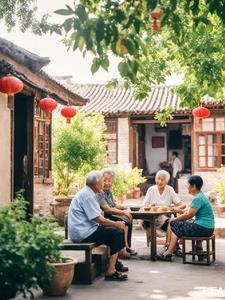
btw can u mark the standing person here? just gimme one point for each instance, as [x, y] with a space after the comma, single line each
[86, 224]
[203, 224]
[115, 212]
[176, 169]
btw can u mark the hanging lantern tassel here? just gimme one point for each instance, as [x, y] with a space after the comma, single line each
[68, 112]
[201, 112]
[155, 25]
[10, 85]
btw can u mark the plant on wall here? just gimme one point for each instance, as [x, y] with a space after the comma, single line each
[77, 149]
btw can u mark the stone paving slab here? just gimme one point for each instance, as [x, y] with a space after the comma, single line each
[157, 280]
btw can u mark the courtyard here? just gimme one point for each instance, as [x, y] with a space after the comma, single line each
[157, 280]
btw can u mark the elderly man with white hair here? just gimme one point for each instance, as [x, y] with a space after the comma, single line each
[86, 224]
[162, 194]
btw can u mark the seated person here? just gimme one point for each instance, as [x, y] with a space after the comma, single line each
[203, 224]
[162, 194]
[86, 224]
[114, 211]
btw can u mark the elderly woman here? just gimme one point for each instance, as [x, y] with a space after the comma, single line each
[203, 224]
[114, 211]
[162, 194]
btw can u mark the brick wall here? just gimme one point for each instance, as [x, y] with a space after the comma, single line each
[43, 196]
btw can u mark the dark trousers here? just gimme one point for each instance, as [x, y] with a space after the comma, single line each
[110, 236]
[174, 183]
[128, 224]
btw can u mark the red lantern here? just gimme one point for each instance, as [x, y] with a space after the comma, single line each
[10, 85]
[201, 112]
[48, 104]
[157, 14]
[155, 25]
[68, 112]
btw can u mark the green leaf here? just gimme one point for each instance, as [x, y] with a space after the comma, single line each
[123, 69]
[100, 30]
[119, 16]
[68, 24]
[151, 4]
[137, 25]
[105, 63]
[81, 13]
[63, 12]
[129, 45]
[95, 65]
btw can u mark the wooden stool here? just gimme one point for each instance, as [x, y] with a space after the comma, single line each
[204, 256]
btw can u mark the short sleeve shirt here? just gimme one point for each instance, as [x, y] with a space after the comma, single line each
[106, 197]
[204, 215]
[83, 209]
[168, 197]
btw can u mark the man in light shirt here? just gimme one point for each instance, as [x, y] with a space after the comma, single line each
[86, 224]
[177, 168]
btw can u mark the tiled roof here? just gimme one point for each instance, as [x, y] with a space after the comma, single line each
[121, 101]
[35, 63]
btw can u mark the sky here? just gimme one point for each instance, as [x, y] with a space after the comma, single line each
[62, 62]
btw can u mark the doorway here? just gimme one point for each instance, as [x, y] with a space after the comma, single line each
[23, 148]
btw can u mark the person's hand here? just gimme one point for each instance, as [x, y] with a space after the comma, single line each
[121, 225]
[177, 210]
[128, 215]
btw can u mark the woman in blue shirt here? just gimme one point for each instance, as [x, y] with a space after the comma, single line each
[201, 209]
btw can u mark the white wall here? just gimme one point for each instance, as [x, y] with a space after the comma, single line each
[123, 144]
[5, 151]
[154, 155]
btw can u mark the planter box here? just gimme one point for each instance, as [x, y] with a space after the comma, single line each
[60, 207]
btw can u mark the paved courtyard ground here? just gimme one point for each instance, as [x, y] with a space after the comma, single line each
[157, 280]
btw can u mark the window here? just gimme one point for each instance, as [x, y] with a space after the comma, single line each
[211, 142]
[111, 137]
[42, 144]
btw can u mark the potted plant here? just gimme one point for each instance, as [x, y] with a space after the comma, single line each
[134, 178]
[120, 186]
[27, 251]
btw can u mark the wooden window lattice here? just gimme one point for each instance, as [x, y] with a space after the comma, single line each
[42, 144]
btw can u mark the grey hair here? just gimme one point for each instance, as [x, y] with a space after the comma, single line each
[93, 177]
[163, 173]
[108, 171]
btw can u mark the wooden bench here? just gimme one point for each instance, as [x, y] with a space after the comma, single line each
[95, 259]
[204, 256]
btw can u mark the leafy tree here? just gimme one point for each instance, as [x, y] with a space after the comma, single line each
[77, 149]
[18, 12]
[190, 42]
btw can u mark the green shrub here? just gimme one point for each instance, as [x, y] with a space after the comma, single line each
[26, 248]
[126, 181]
[77, 149]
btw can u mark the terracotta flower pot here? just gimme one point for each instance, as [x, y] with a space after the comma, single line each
[61, 279]
[60, 207]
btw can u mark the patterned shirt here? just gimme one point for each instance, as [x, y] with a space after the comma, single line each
[106, 197]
